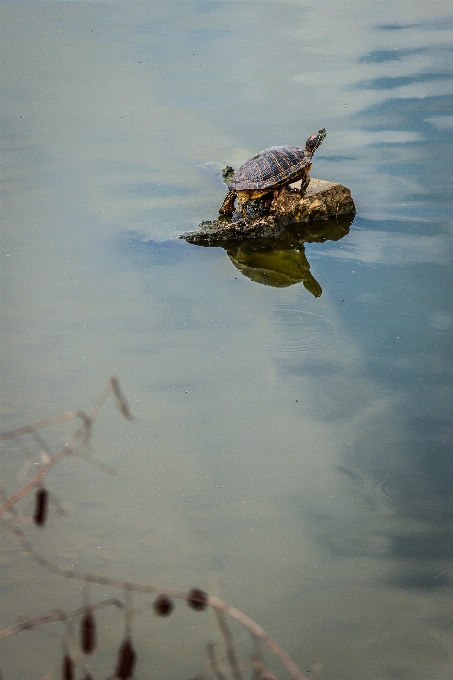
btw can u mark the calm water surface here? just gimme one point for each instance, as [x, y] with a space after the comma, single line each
[291, 453]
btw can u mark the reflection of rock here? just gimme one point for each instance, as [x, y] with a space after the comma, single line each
[320, 201]
[281, 261]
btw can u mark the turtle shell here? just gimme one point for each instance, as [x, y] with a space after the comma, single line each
[272, 168]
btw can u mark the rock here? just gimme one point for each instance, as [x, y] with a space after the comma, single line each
[321, 201]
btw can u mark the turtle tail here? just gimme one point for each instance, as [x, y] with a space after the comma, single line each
[315, 140]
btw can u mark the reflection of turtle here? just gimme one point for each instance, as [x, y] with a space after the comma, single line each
[271, 169]
[277, 268]
[281, 261]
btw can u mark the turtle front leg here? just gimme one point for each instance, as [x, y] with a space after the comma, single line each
[252, 203]
[241, 212]
[305, 180]
[243, 199]
[227, 207]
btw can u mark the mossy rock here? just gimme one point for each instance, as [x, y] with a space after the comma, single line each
[321, 200]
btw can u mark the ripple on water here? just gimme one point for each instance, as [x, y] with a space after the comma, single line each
[440, 578]
[410, 489]
[306, 332]
[415, 489]
[200, 504]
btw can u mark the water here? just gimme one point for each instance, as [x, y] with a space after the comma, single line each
[290, 453]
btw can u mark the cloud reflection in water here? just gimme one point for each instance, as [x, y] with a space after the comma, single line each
[383, 247]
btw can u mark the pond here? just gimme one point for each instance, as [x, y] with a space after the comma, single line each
[291, 451]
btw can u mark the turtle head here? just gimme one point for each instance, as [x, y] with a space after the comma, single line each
[315, 140]
[227, 174]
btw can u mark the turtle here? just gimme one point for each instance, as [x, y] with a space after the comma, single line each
[268, 171]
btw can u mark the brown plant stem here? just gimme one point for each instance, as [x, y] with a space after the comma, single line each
[210, 648]
[261, 669]
[26, 624]
[80, 434]
[229, 644]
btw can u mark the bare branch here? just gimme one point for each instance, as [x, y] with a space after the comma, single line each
[79, 435]
[122, 404]
[210, 648]
[53, 420]
[43, 470]
[261, 669]
[229, 644]
[26, 624]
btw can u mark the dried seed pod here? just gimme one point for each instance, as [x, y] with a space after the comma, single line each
[88, 633]
[197, 599]
[41, 503]
[121, 399]
[126, 661]
[67, 670]
[163, 606]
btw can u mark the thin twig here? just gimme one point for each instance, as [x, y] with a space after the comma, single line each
[256, 655]
[261, 669]
[44, 446]
[210, 648]
[229, 644]
[260, 633]
[121, 400]
[43, 470]
[26, 624]
[53, 420]
[79, 435]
